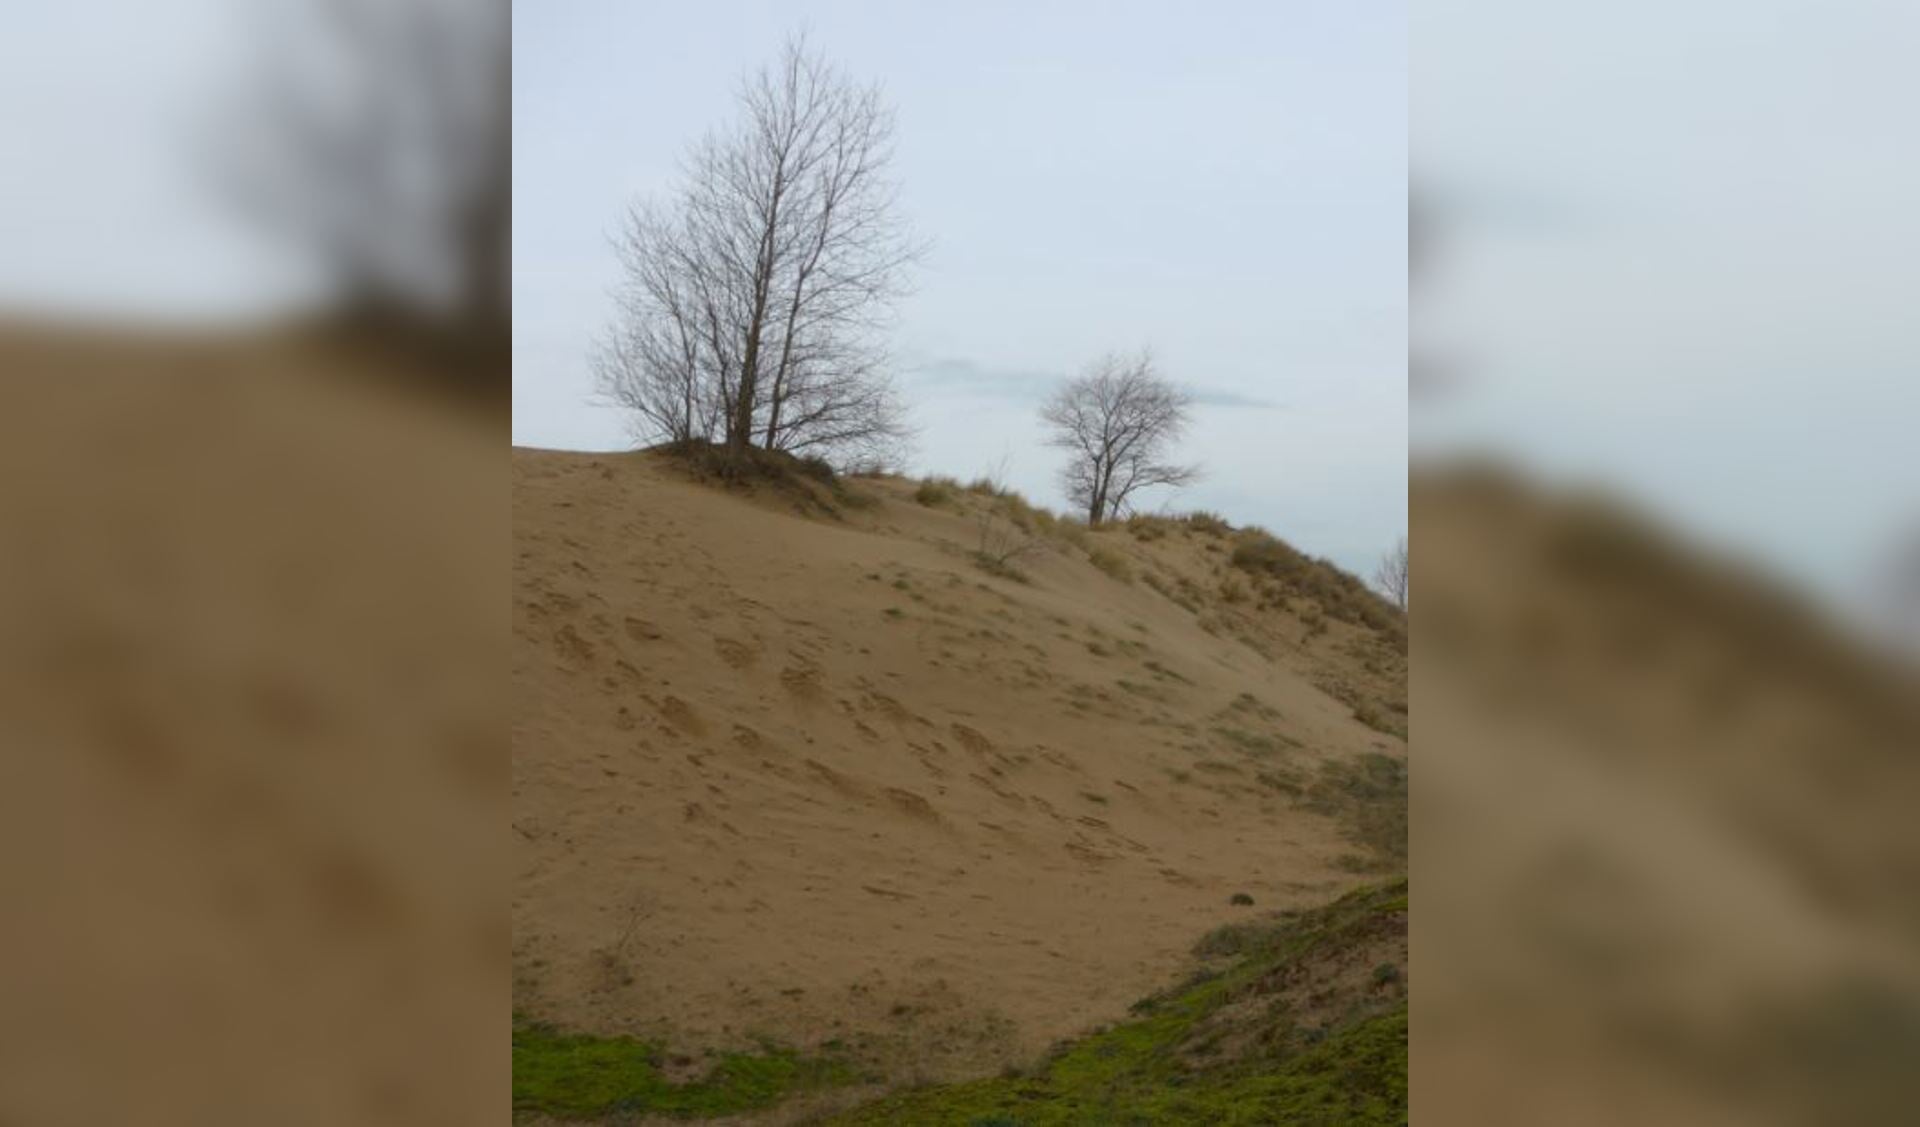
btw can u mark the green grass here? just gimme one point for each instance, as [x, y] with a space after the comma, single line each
[1165, 1066]
[583, 1077]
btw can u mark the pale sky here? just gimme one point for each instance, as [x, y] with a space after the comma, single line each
[1679, 256]
[1225, 182]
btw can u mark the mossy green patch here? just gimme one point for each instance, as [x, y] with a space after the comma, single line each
[1144, 1071]
[583, 1077]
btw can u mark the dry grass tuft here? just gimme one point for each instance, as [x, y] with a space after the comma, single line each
[1112, 562]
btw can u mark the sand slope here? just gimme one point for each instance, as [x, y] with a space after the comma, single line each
[822, 778]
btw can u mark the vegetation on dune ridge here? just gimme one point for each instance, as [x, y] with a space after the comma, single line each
[1275, 570]
[1340, 594]
[809, 484]
[1277, 1037]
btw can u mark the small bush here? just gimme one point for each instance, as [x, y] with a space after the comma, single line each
[935, 491]
[1111, 562]
[817, 468]
[1210, 524]
[1073, 531]
[716, 462]
[1339, 595]
[1315, 621]
[1016, 509]
[1003, 541]
[1241, 900]
[1147, 529]
[1369, 793]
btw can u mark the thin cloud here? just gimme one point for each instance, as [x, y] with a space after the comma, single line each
[1206, 398]
[1028, 386]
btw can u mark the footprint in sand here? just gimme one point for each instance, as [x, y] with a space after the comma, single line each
[833, 778]
[737, 655]
[803, 681]
[1087, 854]
[912, 804]
[681, 715]
[572, 646]
[972, 740]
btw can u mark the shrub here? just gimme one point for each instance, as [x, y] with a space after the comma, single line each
[1369, 793]
[817, 468]
[811, 482]
[934, 491]
[1016, 509]
[1001, 544]
[1210, 524]
[1146, 528]
[1340, 595]
[1111, 562]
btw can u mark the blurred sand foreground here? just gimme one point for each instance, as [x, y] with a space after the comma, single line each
[254, 781]
[1664, 848]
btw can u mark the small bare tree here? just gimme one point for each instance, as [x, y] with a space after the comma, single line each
[1391, 576]
[755, 297]
[1003, 544]
[1116, 422]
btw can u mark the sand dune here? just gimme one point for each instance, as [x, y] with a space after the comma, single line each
[821, 778]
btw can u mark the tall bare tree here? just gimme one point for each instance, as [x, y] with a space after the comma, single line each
[377, 138]
[1392, 576]
[755, 298]
[1116, 423]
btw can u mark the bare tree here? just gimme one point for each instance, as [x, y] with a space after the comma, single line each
[755, 297]
[1116, 422]
[378, 139]
[1391, 576]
